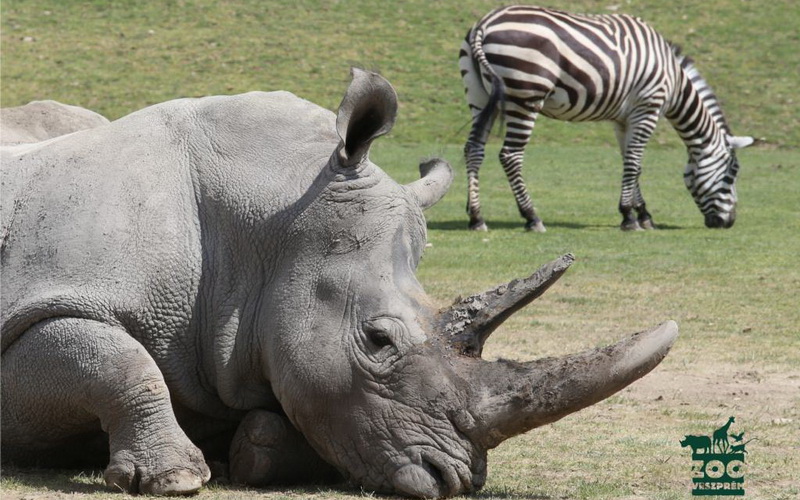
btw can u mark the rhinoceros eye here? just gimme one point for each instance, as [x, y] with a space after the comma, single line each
[379, 332]
[379, 338]
[381, 341]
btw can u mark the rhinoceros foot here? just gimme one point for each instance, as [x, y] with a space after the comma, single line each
[182, 474]
[267, 449]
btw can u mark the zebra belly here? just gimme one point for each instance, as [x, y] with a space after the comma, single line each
[560, 106]
[557, 105]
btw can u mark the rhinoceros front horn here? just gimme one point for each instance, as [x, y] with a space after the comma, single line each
[512, 398]
[508, 398]
[367, 111]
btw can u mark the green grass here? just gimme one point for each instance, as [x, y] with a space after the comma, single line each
[116, 57]
[733, 292]
[738, 284]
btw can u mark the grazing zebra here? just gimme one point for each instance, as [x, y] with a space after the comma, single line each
[524, 61]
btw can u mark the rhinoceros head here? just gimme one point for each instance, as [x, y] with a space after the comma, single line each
[386, 386]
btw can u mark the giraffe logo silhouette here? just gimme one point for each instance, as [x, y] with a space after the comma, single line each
[718, 461]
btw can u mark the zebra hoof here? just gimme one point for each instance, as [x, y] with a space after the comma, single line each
[478, 226]
[631, 225]
[646, 224]
[535, 226]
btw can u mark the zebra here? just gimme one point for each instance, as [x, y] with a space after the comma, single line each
[522, 61]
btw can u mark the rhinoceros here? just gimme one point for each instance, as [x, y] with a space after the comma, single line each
[231, 278]
[41, 120]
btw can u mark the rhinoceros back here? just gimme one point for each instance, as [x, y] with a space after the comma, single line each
[109, 223]
[41, 120]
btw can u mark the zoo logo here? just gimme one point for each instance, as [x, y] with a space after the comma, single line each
[718, 462]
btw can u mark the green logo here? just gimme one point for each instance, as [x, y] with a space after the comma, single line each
[718, 461]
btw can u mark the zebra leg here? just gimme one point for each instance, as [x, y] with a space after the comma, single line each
[629, 220]
[511, 160]
[477, 94]
[632, 138]
[474, 151]
[519, 127]
[473, 154]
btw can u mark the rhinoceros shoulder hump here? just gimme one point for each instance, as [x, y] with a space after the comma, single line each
[269, 116]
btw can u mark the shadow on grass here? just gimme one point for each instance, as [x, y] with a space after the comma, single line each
[90, 482]
[461, 225]
[345, 490]
[335, 490]
[87, 481]
[74, 481]
[510, 495]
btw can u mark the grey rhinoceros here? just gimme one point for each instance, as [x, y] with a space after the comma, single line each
[41, 120]
[233, 275]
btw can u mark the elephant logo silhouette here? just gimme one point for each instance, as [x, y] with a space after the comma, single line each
[718, 461]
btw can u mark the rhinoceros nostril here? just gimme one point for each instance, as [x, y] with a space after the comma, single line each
[435, 472]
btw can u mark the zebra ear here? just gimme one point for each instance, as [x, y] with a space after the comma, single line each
[740, 142]
[368, 111]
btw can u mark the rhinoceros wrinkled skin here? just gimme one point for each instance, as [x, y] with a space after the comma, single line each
[41, 120]
[231, 278]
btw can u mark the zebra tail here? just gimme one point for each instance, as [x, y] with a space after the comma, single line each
[497, 96]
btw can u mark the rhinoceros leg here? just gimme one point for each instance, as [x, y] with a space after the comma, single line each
[63, 375]
[267, 449]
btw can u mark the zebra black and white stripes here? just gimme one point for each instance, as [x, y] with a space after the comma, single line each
[521, 62]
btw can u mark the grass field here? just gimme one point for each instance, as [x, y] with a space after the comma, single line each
[116, 57]
[734, 292]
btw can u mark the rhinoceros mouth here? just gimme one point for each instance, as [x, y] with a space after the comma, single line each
[435, 474]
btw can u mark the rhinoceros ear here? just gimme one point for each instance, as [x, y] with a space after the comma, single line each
[435, 179]
[368, 111]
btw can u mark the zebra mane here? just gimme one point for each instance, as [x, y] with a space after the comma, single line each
[701, 86]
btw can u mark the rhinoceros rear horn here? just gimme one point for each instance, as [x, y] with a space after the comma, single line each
[469, 321]
[368, 111]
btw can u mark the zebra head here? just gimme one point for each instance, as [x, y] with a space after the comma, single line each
[711, 177]
[712, 168]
